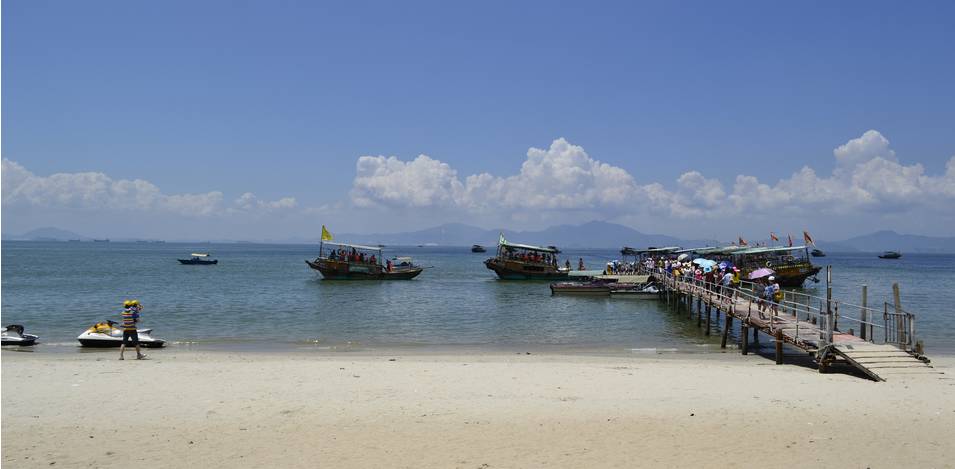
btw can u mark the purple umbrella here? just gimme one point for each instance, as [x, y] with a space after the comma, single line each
[760, 273]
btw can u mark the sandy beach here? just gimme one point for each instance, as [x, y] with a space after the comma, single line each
[185, 408]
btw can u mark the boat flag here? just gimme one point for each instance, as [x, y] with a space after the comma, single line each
[805, 235]
[742, 242]
[502, 241]
[790, 240]
[772, 236]
[326, 236]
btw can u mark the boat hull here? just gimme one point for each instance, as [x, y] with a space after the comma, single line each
[336, 270]
[514, 270]
[98, 342]
[25, 340]
[197, 262]
[579, 288]
[794, 275]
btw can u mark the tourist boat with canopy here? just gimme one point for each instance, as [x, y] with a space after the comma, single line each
[791, 264]
[342, 261]
[199, 258]
[515, 261]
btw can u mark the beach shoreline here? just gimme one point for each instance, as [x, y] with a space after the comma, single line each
[401, 408]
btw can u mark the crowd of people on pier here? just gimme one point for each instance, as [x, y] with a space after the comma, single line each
[720, 277]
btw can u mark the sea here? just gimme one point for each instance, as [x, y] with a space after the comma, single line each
[263, 296]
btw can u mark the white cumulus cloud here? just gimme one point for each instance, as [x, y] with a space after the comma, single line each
[97, 191]
[868, 177]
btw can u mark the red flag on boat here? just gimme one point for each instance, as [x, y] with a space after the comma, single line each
[772, 236]
[742, 242]
[805, 235]
[790, 240]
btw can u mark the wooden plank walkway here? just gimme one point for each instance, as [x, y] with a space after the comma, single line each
[827, 345]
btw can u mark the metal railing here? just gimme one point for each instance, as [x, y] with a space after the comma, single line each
[819, 315]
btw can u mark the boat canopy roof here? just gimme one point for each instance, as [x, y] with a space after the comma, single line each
[403, 259]
[688, 250]
[528, 247]
[767, 249]
[634, 251]
[200, 254]
[356, 246]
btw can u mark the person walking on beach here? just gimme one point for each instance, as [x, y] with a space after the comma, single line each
[131, 309]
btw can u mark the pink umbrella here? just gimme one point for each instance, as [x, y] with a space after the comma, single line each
[760, 273]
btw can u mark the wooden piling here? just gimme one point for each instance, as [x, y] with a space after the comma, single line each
[726, 330]
[864, 316]
[744, 333]
[708, 312]
[779, 346]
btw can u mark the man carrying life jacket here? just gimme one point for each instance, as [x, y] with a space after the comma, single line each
[131, 309]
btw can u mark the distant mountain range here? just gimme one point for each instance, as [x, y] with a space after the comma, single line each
[47, 234]
[888, 240]
[594, 234]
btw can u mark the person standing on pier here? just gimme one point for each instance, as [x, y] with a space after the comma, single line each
[775, 296]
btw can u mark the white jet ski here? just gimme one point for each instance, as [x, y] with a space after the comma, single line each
[109, 334]
[13, 335]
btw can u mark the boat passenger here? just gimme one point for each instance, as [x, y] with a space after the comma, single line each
[388, 265]
[580, 263]
[372, 260]
[567, 264]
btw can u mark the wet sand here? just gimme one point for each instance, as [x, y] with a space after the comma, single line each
[187, 408]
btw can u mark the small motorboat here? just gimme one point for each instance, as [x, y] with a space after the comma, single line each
[596, 287]
[109, 334]
[478, 248]
[13, 335]
[635, 290]
[890, 255]
[817, 253]
[199, 258]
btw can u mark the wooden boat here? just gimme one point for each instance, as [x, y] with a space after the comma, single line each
[525, 262]
[635, 290]
[817, 253]
[478, 248]
[357, 262]
[890, 255]
[199, 258]
[580, 288]
[791, 264]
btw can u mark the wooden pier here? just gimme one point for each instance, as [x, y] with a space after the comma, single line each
[880, 343]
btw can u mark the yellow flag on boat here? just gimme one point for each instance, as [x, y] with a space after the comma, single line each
[326, 236]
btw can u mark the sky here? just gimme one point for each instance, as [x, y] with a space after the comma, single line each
[265, 120]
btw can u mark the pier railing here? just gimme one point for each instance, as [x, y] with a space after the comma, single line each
[810, 317]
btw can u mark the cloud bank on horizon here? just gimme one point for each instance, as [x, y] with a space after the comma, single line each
[96, 191]
[867, 178]
[562, 183]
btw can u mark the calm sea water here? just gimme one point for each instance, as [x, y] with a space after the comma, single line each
[265, 293]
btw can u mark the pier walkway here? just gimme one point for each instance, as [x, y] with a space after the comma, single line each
[880, 343]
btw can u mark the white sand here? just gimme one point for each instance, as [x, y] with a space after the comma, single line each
[221, 409]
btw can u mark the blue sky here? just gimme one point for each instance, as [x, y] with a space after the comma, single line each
[280, 99]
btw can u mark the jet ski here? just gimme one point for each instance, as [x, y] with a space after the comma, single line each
[109, 334]
[13, 335]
